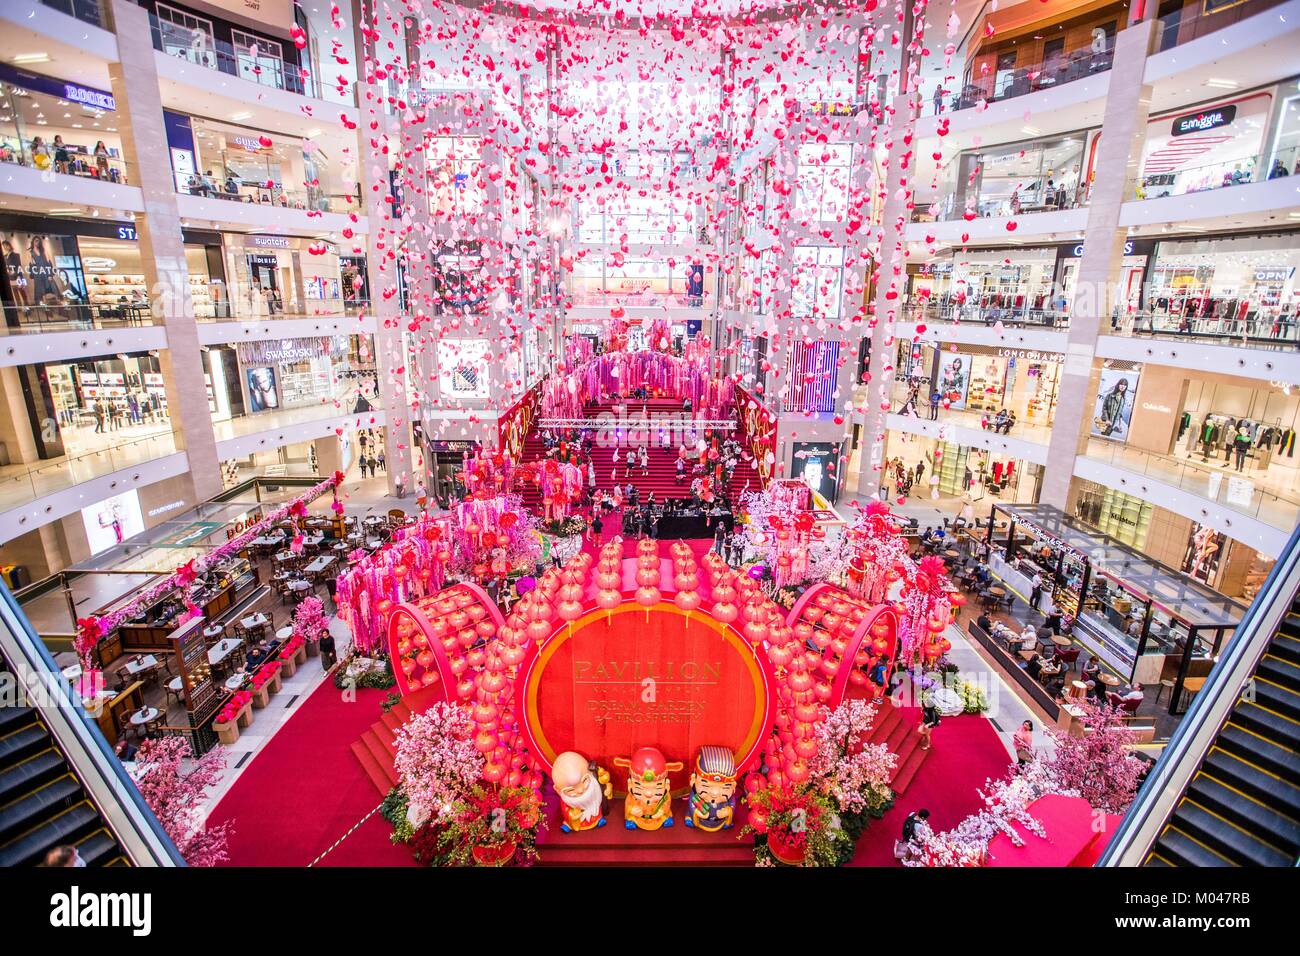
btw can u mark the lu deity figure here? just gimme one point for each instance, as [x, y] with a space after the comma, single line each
[712, 803]
[583, 788]
[649, 803]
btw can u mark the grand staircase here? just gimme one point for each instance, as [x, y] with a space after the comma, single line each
[895, 727]
[42, 803]
[376, 747]
[1242, 808]
[662, 477]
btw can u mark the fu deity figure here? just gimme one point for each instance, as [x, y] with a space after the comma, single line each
[649, 803]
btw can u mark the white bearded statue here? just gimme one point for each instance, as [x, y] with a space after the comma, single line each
[583, 788]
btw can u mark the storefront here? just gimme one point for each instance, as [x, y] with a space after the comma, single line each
[818, 464]
[1219, 144]
[641, 282]
[80, 272]
[1147, 620]
[989, 285]
[1128, 288]
[1010, 180]
[283, 275]
[58, 126]
[225, 161]
[962, 475]
[981, 379]
[1237, 286]
[70, 404]
[292, 373]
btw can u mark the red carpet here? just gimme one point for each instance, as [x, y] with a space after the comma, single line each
[964, 752]
[305, 789]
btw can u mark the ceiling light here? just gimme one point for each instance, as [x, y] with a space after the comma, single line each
[32, 58]
[240, 116]
[65, 211]
[1221, 84]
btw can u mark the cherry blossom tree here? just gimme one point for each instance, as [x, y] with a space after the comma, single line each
[437, 762]
[177, 796]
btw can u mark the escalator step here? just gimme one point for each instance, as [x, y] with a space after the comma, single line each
[1280, 672]
[68, 827]
[1286, 647]
[1277, 698]
[11, 718]
[98, 849]
[1154, 860]
[1230, 842]
[1262, 753]
[1255, 783]
[1266, 723]
[49, 801]
[1251, 815]
[30, 774]
[1181, 850]
[23, 743]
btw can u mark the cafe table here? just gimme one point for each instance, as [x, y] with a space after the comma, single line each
[299, 586]
[220, 651]
[72, 673]
[253, 621]
[1060, 641]
[284, 633]
[1110, 680]
[137, 666]
[236, 682]
[146, 716]
[312, 540]
[319, 565]
[213, 631]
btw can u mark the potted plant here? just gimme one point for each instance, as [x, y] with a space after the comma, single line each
[800, 824]
[492, 826]
[231, 717]
[309, 623]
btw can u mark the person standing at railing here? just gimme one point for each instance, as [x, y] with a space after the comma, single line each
[101, 159]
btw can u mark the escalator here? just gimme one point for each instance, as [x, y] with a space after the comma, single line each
[42, 803]
[60, 783]
[1226, 791]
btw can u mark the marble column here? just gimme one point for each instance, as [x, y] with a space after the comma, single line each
[139, 119]
[1119, 156]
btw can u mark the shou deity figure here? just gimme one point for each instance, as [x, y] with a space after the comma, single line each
[649, 803]
[583, 788]
[712, 803]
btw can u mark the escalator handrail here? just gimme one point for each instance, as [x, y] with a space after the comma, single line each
[1210, 711]
[89, 756]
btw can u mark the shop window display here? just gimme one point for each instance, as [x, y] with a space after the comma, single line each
[1020, 178]
[1243, 288]
[991, 286]
[41, 128]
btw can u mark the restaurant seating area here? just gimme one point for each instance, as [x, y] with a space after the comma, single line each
[249, 646]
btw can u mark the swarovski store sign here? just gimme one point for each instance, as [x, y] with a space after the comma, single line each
[282, 351]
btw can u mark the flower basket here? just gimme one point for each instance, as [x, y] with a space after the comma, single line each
[289, 665]
[262, 695]
[227, 733]
[311, 649]
[498, 854]
[275, 683]
[785, 849]
[300, 655]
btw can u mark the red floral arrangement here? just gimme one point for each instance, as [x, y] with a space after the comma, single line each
[797, 823]
[236, 703]
[265, 674]
[291, 647]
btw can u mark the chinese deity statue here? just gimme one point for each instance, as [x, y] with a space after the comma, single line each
[649, 803]
[583, 788]
[712, 803]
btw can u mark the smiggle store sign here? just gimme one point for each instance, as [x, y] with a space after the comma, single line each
[625, 678]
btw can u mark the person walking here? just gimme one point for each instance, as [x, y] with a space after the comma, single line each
[595, 527]
[99, 418]
[929, 721]
[328, 655]
[1023, 743]
[719, 538]
[645, 462]
[1035, 590]
[934, 405]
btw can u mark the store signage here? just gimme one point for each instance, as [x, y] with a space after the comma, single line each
[248, 143]
[1272, 274]
[1153, 407]
[1205, 120]
[163, 509]
[1077, 251]
[281, 351]
[73, 92]
[270, 242]
[1029, 355]
[126, 232]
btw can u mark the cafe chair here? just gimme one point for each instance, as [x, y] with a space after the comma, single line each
[396, 517]
[1068, 656]
[125, 729]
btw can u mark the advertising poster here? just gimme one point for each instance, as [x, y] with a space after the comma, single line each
[112, 521]
[463, 368]
[43, 271]
[1114, 408]
[1205, 548]
[954, 380]
[261, 389]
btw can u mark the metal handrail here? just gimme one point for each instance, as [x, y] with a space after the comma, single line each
[98, 770]
[1214, 704]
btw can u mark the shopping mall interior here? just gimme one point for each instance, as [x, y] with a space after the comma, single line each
[918, 382]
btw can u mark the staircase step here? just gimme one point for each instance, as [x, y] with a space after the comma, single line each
[1281, 761]
[1280, 699]
[1181, 850]
[1256, 783]
[908, 770]
[378, 776]
[12, 718]
[100, 849]
[1225, 839]
[1251, 815]
[381, 754]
